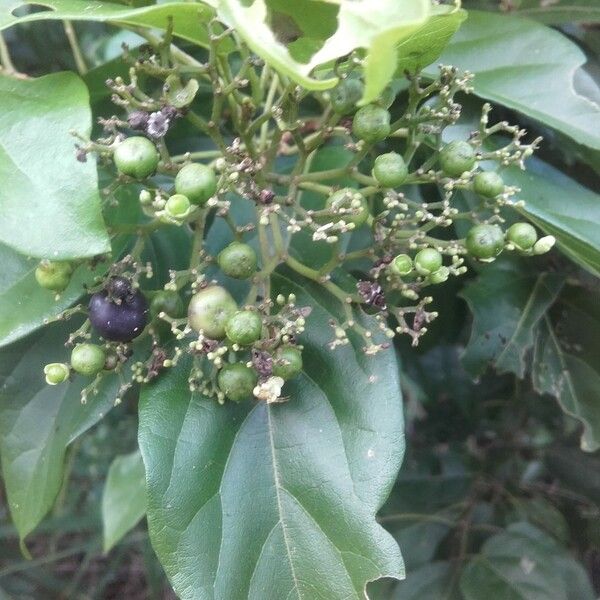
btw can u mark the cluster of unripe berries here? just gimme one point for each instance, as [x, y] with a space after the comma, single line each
[120, 312]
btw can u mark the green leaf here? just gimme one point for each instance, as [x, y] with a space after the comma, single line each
[577, 472]
[558, 12]
[573, 382]
[24, 305]
[375, 28]
[124, 497]
[432, 581]
[37, 424]
[563, 208]
[426, 44]
[186, 15]
[44, 191]
[527, 67]
[259, 501]
[521, 563]
[507, 306]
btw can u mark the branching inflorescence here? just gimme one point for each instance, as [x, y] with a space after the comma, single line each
[399, 203]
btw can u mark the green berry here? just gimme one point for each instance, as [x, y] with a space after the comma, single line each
[428, 261]
[177, 206]
[485, 242]
[288, 362]
[54, 275]
[209, 310]
[88, 359]
[456, 158]
[244, 327]
[488, 184]
[237, 381]
[440, 275]
[197, 182]
[145, 198]
[401, 265]
[390, 170]
[56, 373]
[238, 260]
[522, 235]
[371, 123]
[136, 157]
[346, 95]
[348, 205]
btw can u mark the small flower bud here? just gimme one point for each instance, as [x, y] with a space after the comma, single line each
[544, 244]
[56, 373]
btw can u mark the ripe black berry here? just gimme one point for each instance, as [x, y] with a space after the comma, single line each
[118, 318]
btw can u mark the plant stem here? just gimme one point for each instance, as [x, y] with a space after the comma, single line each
[5, 58]
[75, 48]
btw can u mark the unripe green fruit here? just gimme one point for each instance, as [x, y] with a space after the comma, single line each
[288, 362]
[237, 381]
[197, 182]
[485, 242]
[390, 170]
[54, 275]
[371, 123]
[401, 265]
[244, 327]
[56, 373]
[145, 198]
[440, 275]
[352, 207]
[137, 157]
[488, 184]
[238, 260]
[522, 235]
[428, 261]
[209, 310]
[88, 359]
[166, 301]
[456, 158]
[345, 96]
[177, 205]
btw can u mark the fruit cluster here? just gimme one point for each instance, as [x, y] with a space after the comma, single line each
[395, 200]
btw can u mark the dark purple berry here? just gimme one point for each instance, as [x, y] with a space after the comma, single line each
[118, 322]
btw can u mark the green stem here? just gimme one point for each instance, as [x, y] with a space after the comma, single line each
[75, 48]
[5, 59]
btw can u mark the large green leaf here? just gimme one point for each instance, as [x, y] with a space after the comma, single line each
[37, 423]
[377, 28]
[507, 306]
[124, 497]
[528, 67]
[186, 16]
[561, 207]
[433, 581]
[558, 12]
[571, 380]
[522, 563]
[50, 203]
[277, 501]
[427, 43]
